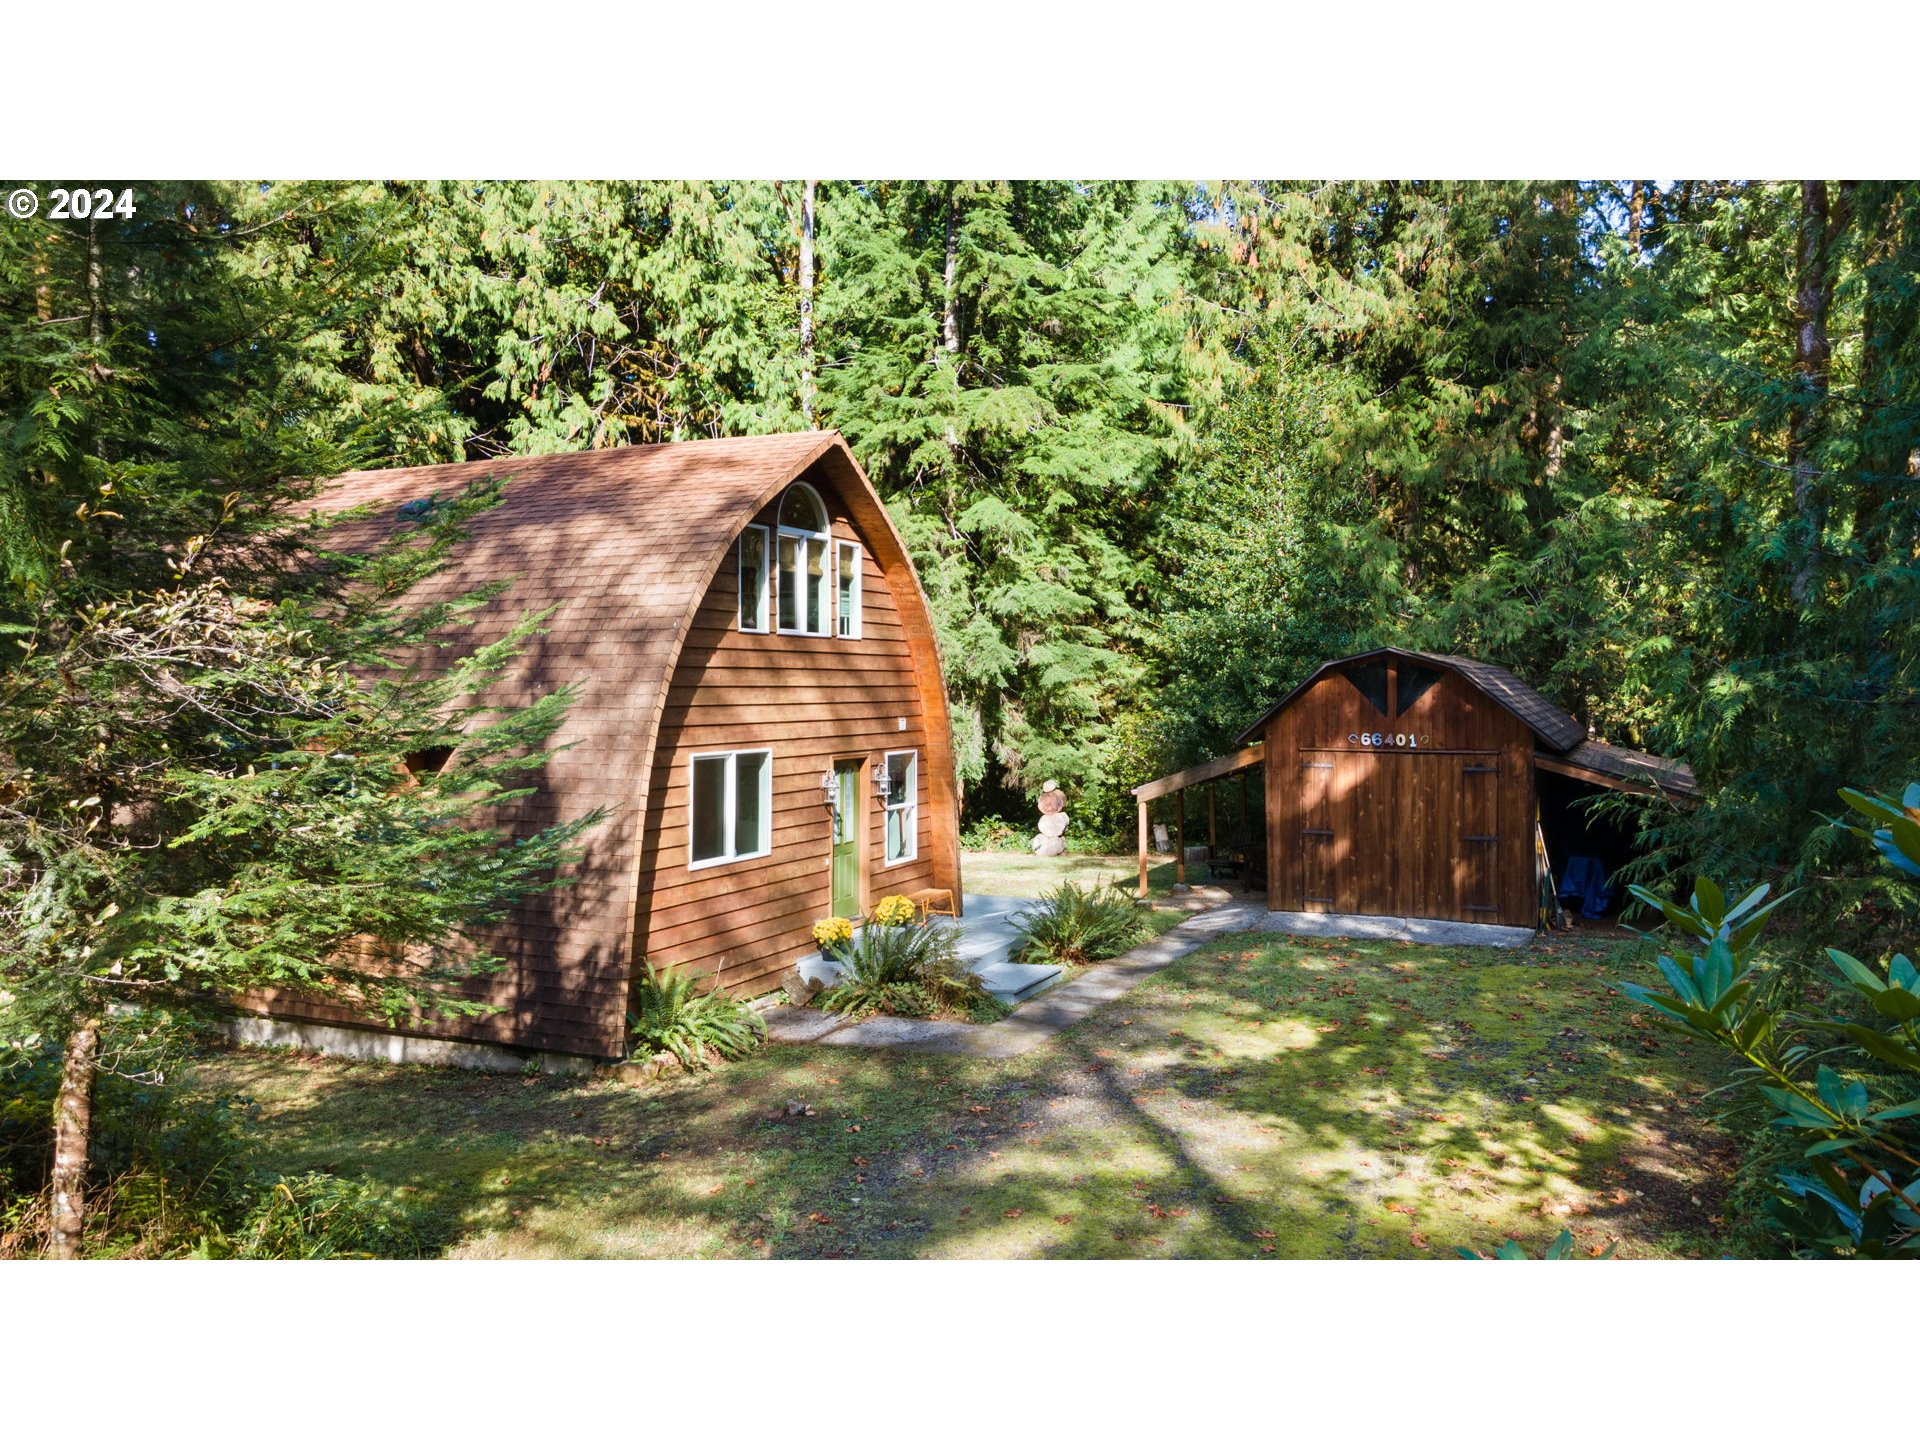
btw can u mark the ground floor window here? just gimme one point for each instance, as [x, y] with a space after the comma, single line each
[730, 807]
[903, 805]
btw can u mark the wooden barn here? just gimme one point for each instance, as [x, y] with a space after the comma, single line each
[1399, 783]
[760, 708]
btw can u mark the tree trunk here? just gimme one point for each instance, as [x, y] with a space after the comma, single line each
[950, 303]
[96, 296]
[806, 302]
[1889, 252]
[1812, 364]
[950, 315]
[1636, 216]
[72, 1129]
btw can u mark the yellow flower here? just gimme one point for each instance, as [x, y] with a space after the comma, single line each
[836, 930]
[894, 910]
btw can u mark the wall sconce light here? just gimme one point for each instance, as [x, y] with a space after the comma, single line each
[826, 788]
[883, 783]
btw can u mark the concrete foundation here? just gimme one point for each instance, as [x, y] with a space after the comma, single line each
[1389, 927]
[356, 1044]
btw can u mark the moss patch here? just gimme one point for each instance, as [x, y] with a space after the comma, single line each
[1264, 1097]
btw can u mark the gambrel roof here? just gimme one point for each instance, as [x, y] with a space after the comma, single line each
[1548, 721]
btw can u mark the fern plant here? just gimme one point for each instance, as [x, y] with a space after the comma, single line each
[1080, 927]
[905, 970]
[672, 1016]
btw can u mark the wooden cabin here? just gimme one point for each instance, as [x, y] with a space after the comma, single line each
[1399, 783]
[759, 707]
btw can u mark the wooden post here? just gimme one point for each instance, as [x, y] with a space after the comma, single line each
[1213, 831]
[1180, 838]
[1143, 850]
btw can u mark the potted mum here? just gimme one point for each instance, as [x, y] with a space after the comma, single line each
[834, 936]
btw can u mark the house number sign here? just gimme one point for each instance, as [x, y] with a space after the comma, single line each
[1379, 739]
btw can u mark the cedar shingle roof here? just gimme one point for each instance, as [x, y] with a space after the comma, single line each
[1541, 715]
[625, 543]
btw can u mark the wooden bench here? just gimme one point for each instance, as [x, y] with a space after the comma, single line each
[933, 901]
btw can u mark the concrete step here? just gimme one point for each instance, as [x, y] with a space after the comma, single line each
[1011, 983]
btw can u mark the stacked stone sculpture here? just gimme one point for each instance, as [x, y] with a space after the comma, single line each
[1053, 821]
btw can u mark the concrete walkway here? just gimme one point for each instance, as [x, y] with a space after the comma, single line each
[1041, 1019]
[1032, 1023]
[1389, 927]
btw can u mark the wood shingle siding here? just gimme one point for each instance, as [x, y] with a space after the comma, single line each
[635, 550]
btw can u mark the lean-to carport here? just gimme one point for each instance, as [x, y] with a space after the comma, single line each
[1241, 762]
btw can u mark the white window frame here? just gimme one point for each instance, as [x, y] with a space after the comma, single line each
[730, 806]
[844, 550]
[805, 540]
[911, 831]
[766, 580]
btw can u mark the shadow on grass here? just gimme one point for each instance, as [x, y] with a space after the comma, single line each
[1264, 1097]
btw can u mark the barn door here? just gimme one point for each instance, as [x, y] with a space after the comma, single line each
[1446, 835]
[1477, 867]
[1317, 844]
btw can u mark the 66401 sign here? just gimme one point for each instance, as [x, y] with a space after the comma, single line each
[1384, 740]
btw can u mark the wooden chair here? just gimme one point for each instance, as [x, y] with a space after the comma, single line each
[934, 901]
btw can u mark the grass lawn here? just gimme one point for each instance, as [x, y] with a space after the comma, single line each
[1027, 877]
[1264, 1097]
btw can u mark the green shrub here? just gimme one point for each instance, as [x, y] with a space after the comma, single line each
[911, 970]
[169, 1176]
[1073, 926]
[992, 833]
[329, 1217]
[673, 1017]
[1852, 1105]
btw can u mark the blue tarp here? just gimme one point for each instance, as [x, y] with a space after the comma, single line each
[1585, 880]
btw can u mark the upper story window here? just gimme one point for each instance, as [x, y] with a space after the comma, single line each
[755, 577]
[847, 592]
[803, 548]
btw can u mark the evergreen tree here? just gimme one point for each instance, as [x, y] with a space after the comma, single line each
[205, 779]
[1008, 361]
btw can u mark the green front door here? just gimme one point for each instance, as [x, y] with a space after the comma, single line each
[846, 839]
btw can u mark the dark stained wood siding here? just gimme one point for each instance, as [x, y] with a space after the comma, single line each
[812, 700]
[1438, 826]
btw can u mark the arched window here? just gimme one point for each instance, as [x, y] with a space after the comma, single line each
[801, 509]
[805, 563]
